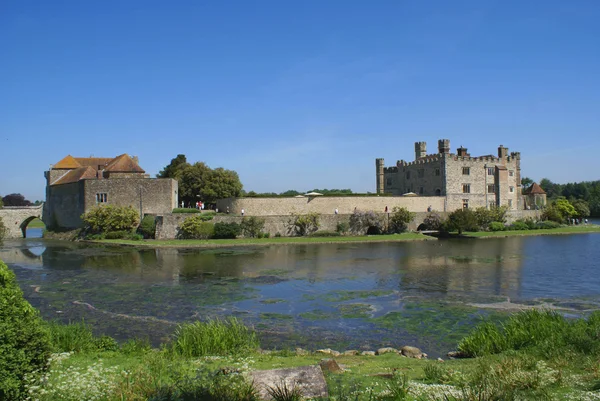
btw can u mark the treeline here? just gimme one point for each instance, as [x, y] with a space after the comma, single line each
[293, 192]
[16, 200]
[585, 193]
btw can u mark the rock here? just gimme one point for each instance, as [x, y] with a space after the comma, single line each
[301, 351]
[330, 365]
[455, 354]
[309, 379]
[335, 353]
[386, 350]
[326, 351]
[369, 353]
[440, 360]
[412, 352]
[351, 352]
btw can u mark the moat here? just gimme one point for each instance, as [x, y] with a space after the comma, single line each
[343, 296]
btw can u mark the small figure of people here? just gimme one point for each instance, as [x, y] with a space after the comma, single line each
[242, 212]
[586, 221]
[386, 209]
[182, 203]
[227, 210]
[429, 208]
[336, 210]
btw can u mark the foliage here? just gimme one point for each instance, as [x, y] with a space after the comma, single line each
[147, 227]
[15, 200]
[582, 208]
[214, 337]
[221, 183]
[496, 226]
[461, 220]
[24, 341]
[519, 225]
[365, 222]
[227, 230]
[589, 191]
[399, 219]
[325, 233]
[304, 224]
[128, 235]
[78, 337]
[1, 202]
[565, 208]
[104, 219]
[282, 392]
[3, 229]
[252, 226]
[174, 169]
[185, 210]
[342, 227]
[548, 224]
[195, 227]
[551, 213]
[191, 182]
[485, 216]
[432, 221]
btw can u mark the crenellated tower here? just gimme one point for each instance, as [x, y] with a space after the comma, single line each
[379, 166]
[420, 150]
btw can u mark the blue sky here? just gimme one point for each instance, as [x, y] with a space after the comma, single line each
[297, 94]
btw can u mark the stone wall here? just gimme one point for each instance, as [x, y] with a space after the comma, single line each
[64, 205]
[325, 205]
[423, 177]
[15, 219]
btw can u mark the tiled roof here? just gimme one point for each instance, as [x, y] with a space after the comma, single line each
[69, 162]
[81, 173]
[123, 164]
[97, 163]
[534, 189]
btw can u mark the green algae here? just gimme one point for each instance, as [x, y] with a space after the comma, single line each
[354, 311]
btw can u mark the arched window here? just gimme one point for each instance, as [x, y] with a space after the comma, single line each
[438, 192]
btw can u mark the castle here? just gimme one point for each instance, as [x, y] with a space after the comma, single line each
[463, 180]
[75, 185]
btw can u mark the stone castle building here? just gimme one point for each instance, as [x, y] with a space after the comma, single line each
[75, 185]
[464, 180]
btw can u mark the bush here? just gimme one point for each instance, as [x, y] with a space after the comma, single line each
[461, 220]
[432, 221]
[548, 224]
[24, 340]
[486, 216]
[304, 224]
[185, 210]
[342, 227]
[519, 225]
[252, 226]
[551, 213]
[227, 230]
[325, 233]
[399, 219]
[214, 337]
[147, 227]
[496, 226]
[277, 235]
[362, 223]
[194, 227]
[104, 219]
[3, 230]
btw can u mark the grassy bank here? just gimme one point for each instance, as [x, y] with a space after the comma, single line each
[36, 223]
[270, 241]
[535, 356]
[590, 228]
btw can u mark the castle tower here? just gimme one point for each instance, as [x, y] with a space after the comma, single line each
[502, 154]
[379, 164]
[420, 150]
[444, 146]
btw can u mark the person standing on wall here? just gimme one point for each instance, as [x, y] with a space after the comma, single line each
[242, 212]
[336, 210]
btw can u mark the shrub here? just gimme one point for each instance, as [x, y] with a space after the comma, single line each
[365, 222]
[551, 213]
[24, 340]
[3, 230]
[485, 216]
[342, 227]
[496, 226]
[325, 233]
[399, 219]
[277, 235]
[104, 219]
[548, 224]
[519, 225]
[117, 234]
[148, 227]
[185, 210]
[252, 226]
[432, 221]
[194, 227]
[461, 220]
[227, 230]
[214, 337]
[304, 224]
[72, 337]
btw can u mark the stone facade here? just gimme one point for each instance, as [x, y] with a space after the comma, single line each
[76, 185]
[463, 180]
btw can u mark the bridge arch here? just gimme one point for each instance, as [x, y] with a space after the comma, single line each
[16, 219]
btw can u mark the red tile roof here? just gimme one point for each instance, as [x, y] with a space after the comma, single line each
[123, 164]
[68, 163]
[81, 173]
[534, 189]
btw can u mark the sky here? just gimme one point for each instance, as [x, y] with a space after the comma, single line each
[297, 94]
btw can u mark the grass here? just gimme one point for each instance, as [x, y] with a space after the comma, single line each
[271, 241]
[36, 223]
[591, 228]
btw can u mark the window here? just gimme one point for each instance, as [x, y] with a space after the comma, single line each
[490, 171]
[421, 190]
[421, 173]
[437, 172]
[465, 203]
[512, 189]
[408, 175]
[101, 198]
[389, 182]
[466, 170]
[466, 188]
[510, 203]
[438, 192]
[511, 173]
[491, 188]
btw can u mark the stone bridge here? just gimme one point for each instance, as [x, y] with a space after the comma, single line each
[16, 219]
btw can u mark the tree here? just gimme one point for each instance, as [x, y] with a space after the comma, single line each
[461, 220]
[565, 208]
[252, 226]
[582, 208]
[304, 224]
[15, 200]
[175, 168]
[221, 183]
[105, 219]
[290, 192]
[3, 230]
[192, 181]
[399, 219]
[526, 182]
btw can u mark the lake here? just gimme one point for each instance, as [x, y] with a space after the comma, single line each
[343, 296]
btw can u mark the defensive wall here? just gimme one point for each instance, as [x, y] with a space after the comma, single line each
[325, 205]
[16, 218]
[167, 226]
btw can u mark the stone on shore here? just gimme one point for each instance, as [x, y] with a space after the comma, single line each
[309, 379]
[386, 350]
[412, 352]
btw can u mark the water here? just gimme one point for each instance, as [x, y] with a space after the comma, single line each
[332, 295]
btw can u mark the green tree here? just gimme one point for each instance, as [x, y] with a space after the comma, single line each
[526, 182]
[24, 340]
[105, 219]
[461, 220]
[304, 224]
[582, 208]
[175, 168]
[252, 226]
[3, 230]
[565, 208]
[221, 183]
[399, 219]
[192, 181]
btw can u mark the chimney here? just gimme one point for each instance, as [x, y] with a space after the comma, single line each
[502, 152]
[135, 160]
[462, 152]
[420, 150]
[444, 146]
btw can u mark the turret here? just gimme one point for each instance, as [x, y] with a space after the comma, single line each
[462, 152]
[420, 150]
[502, 152]
[379, 165]
[444, 146]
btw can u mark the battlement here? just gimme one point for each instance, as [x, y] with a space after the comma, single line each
[433, 158]
[488, 158]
